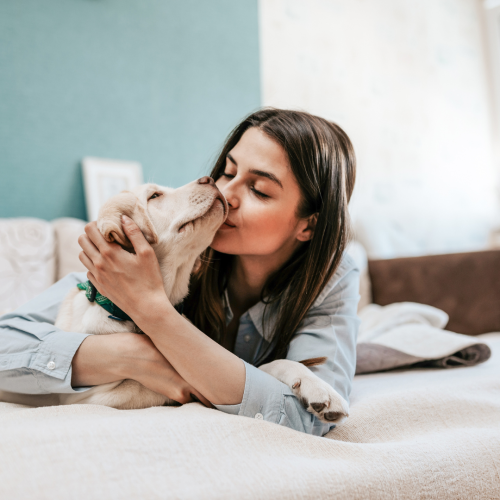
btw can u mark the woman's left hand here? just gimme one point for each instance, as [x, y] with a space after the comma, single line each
[132, 281]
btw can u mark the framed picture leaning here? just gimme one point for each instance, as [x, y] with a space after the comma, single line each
[103, 178]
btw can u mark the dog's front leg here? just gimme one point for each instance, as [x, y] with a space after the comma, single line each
[320, 398]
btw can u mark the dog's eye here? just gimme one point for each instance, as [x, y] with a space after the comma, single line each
[156, 195]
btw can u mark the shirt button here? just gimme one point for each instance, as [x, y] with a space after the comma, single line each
[247, 338]
[259, 416]
[51, 365]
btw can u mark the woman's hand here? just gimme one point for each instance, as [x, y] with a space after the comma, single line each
[101, 359]
[132, 281]
[157, 374]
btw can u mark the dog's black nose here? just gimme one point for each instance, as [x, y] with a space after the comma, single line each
[206, 180]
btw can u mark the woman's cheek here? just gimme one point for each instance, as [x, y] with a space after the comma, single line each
[267, 231]
[266, 225]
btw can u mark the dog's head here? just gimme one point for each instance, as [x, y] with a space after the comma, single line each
[180, 221]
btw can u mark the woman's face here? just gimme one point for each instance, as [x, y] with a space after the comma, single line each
[263, 196]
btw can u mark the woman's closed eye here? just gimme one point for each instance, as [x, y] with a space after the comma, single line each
[258, 193]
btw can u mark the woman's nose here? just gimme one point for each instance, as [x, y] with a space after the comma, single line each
[206, 180]
[229, 190]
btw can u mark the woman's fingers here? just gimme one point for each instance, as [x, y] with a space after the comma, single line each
[88, 247]
[93, 280]
[87, 262]
[135, 236]
[188, 394]
[196, 396]
[146, 365]
[96, 237]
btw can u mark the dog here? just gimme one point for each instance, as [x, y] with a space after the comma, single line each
[179, 224]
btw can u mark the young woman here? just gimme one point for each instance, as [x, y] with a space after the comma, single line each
[275, 283]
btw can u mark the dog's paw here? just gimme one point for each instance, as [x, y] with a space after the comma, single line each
[321, 399]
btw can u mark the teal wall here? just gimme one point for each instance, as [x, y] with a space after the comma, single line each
[161, 82]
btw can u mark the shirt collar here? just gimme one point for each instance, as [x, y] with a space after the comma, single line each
[257, 311]
[256, 314]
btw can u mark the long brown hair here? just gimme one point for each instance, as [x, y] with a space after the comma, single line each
[322, 159]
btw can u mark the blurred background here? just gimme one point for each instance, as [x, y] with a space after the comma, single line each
[160, 82]
[415, 84]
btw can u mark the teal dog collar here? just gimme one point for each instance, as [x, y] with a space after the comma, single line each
[115, 312]
[94, 296]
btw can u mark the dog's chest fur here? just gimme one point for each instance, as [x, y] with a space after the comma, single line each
[77, 314]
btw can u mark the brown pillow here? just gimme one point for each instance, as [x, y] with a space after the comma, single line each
[464, 285]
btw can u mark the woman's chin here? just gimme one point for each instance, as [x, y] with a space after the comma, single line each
[221, 243]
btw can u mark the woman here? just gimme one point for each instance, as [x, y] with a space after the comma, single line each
[275, 283]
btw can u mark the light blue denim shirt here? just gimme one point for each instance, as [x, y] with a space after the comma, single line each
[35, 356]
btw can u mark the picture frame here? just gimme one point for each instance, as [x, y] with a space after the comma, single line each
[103, 178]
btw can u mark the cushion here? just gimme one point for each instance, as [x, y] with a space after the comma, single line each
[27, 260]
[464, 285]
[66, 231]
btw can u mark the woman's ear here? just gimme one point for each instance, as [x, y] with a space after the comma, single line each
[306, 228]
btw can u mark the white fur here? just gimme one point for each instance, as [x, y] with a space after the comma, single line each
[320, 398]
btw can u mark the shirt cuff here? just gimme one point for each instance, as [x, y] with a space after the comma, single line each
[56, 352]
[263, 397]
[266, 398]
[52, 363]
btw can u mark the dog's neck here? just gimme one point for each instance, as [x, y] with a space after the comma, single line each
[175, 271]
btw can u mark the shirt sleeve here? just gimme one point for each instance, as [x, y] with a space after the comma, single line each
[328, 330]
[35, 356]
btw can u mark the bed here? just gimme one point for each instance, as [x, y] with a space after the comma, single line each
[423, 433]
[420, 433]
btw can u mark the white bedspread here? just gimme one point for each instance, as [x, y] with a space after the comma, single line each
[423, 433]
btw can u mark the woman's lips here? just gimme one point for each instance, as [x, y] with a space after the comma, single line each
[227, 225]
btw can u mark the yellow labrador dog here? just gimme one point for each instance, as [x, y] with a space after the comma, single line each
[179, 224]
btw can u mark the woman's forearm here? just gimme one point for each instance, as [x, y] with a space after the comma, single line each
[100, 359]
[214, 371]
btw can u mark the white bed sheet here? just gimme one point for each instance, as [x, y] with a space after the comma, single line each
[426, 433]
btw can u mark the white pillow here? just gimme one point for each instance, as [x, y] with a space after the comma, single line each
[27, 260]
[66, 231]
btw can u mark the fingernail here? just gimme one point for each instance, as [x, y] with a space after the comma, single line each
[125, 219]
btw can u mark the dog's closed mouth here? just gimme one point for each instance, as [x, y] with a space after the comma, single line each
[185, 225]
[223, 201]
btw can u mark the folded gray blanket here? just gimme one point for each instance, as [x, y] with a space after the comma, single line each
[408, 335]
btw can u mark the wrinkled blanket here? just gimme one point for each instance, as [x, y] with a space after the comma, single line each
[422, 433]
[407, 334]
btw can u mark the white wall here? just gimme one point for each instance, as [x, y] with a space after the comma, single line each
[407, 80]
[492, 42]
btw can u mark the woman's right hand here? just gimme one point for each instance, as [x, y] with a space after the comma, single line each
[156, 373]
[101, 359]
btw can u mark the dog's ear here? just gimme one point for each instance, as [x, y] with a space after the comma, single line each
[109, 221]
